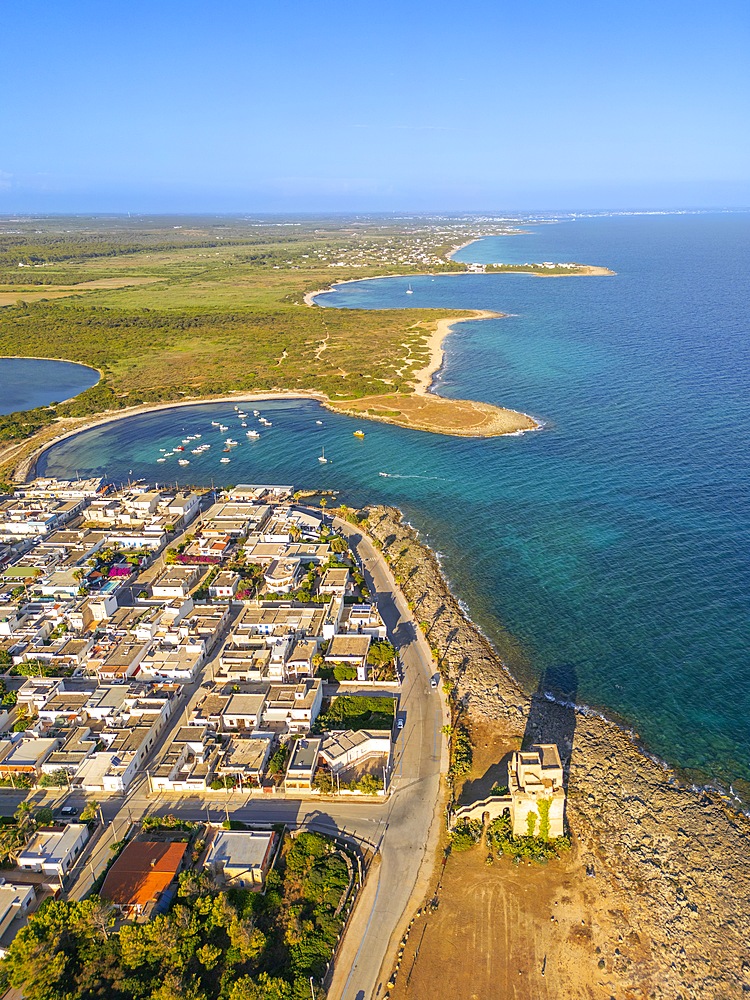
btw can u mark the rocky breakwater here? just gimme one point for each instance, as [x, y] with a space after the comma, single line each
[664, 868]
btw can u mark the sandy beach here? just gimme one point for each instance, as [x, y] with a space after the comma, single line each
[423, 378]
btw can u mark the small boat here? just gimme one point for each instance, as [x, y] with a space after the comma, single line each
[161, 460]
[244, 423]
[168, 454]
[236, 407]
[162, 450]
[196, 437]
[253, 434]
[223, 428]
[322, 457]
[319, 423]
[409, 290]
[225, 460]
[359, 434]
[231, 442]
[187, 440]
[256, 413]
[179, 448]
[183, 461]
[215, 423]
[266, 423]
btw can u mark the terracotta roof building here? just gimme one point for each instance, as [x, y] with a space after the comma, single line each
[142, 874]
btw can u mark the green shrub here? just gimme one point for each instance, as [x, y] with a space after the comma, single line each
[462, 751]
[465, 834]
[501, 839]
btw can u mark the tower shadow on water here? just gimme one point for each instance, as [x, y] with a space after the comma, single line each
[552, 715]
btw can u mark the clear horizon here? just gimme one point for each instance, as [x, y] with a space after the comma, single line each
[175, 109]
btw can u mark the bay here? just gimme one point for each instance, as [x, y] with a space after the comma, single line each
[612, 545]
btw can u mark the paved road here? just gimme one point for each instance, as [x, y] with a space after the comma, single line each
[415, 783]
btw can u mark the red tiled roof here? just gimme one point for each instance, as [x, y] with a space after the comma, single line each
[142, 872]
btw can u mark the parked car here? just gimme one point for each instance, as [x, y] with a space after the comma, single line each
[68, 811]
[434, 681]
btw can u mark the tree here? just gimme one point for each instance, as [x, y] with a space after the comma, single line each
[323, 782]
[249, 941]
[24, 817]
[208, 955]
[89, 811]
[368, 784]
[381, 653]
[264, 987]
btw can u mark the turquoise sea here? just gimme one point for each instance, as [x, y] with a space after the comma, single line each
[612, 546]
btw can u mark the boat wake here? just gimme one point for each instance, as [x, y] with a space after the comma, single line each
[398, 475]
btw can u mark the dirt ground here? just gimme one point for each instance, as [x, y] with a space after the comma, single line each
[505, 931]
[10, 296]
[459, 417]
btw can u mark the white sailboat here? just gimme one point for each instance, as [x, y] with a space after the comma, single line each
[322, 457]
[410, 290]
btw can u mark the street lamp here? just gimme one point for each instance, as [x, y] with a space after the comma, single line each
[312, 991]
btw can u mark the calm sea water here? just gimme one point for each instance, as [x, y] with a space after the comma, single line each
[29, 382]
[614, 543]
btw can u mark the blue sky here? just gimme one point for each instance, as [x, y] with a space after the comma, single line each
[237, 105]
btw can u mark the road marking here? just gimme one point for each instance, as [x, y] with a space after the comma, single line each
[364, 938]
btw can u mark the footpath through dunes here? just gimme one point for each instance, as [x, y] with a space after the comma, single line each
[653, 900]
[423, 410]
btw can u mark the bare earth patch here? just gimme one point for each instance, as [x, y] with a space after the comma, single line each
[40, 292]
[459, 417]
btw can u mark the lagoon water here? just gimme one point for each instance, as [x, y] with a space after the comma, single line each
[29, 382]
[615, 541]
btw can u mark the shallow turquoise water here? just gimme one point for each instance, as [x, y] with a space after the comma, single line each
[29, 382]
[613, 543]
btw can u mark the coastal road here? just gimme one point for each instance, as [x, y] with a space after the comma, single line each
[364, 961]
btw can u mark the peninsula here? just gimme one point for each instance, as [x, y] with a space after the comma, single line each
[209, 311]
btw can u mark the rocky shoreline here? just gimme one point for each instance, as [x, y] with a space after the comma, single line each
[669, 864]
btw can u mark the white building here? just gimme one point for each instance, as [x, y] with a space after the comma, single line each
[15, 903]
[53, 850]
[241, 856]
